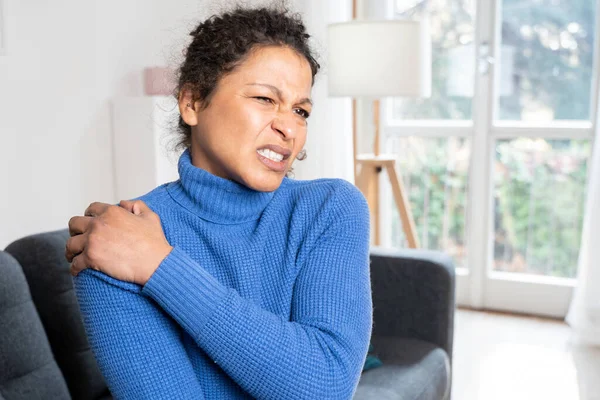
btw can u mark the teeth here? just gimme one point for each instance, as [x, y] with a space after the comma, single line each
[270, 154]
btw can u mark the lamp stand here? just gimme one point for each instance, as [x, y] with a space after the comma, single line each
[367, 180]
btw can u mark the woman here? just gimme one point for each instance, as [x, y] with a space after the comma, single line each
[234, 281]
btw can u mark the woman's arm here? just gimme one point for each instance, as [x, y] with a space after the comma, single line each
[137, 346]
[320, 353]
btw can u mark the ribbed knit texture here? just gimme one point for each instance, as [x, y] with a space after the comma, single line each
[265, 295]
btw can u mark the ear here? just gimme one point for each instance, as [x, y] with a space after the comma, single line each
[188, 108]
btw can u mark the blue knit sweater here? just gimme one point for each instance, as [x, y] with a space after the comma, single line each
[265, 295]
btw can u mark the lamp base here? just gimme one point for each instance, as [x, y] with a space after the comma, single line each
[366, 181]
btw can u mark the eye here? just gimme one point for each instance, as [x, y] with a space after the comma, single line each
[264, 99]
[303, 113]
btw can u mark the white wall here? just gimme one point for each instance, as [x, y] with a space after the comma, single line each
[66, 59]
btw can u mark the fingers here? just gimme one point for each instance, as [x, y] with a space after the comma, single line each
[75, 245]
[137, 207]
[96, 208]
[79, 225]
[127, 205]
[78, 265]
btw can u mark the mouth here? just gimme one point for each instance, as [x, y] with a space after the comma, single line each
[274, 157]
[274, 164]
[274, 152]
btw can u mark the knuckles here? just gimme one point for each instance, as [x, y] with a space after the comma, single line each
[90, 206]
[103, 219]
[111, 211]
[91, 250]
[95, 224]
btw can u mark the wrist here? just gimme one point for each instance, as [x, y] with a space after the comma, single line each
[160, 257]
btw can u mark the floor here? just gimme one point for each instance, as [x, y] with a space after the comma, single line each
[502, 356]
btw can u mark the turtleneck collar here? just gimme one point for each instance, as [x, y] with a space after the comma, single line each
[214, 198]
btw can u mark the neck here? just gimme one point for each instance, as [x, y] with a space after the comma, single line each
[217, 199]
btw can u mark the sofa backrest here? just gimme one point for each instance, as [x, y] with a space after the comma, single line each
[28, 370]
[42, 259]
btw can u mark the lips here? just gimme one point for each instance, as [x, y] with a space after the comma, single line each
[277, 149]
[278, 166]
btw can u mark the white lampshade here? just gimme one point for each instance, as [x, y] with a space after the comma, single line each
[380, 58]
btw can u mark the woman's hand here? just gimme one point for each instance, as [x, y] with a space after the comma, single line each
[126, 241]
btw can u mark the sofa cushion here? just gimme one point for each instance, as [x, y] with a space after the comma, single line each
[412, 370]
[42, 257]
[28, 370]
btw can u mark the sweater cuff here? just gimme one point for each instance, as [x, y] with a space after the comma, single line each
[185, 290]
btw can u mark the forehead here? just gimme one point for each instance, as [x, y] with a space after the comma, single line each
[278, 66]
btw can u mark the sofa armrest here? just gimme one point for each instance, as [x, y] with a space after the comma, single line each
[413, 295]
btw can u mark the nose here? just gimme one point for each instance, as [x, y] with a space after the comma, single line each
[285, 124]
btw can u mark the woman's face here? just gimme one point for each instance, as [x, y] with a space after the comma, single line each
[264, 101]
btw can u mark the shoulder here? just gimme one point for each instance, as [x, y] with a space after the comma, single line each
[91, 281]
[337, 198]
[157, 197]
[325, 207]
[337, 214]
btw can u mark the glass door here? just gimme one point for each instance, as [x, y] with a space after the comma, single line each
[495, 162]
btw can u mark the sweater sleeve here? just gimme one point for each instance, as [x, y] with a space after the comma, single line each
[317, 354]
[137, 346]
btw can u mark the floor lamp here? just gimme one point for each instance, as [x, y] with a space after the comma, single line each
[374, 59]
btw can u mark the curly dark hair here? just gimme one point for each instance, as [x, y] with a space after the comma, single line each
[223, 42]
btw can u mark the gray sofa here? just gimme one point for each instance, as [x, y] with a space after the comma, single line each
[44, 353]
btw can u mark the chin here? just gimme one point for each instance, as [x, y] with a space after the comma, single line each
[265, 183]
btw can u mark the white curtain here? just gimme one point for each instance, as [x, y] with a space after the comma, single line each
[584, 311]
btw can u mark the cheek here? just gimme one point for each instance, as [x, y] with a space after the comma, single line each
[235, 126]
[250, 122]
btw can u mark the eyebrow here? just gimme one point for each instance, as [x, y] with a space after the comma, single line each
[276, 90]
